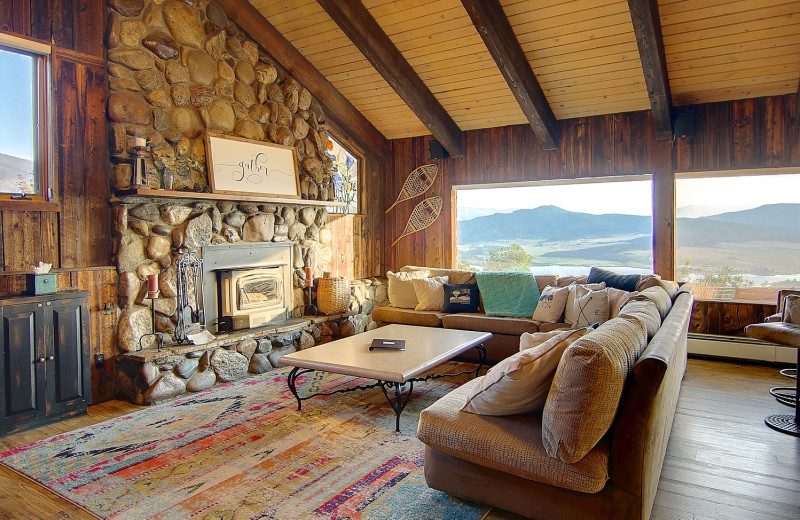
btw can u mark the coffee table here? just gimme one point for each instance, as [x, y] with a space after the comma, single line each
[426, 348]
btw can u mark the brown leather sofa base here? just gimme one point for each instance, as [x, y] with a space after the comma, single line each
[522, 496]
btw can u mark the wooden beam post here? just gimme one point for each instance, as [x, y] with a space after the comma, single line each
[358, 24]
[492, 24]
[337, 107]
[647, 26]
[797, 107]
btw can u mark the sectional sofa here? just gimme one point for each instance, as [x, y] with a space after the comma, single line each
[595, 449]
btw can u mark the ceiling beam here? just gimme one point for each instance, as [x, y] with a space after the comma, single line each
[492, 24]
[337, 107]
[358, 24]
[647, 26]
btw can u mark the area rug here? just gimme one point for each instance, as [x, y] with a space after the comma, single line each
[242, 450]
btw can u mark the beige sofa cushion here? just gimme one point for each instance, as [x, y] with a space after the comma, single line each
[587, 388]
[520, 383]
[534, 339]
[407, 316]
[617, 298]
[653, 280]
[493, 324]
[430, 293]
[644, 310]
[456, 276]
[401, 289]
[509, 444]
[659, 296]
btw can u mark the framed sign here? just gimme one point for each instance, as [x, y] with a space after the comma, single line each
[244, 166]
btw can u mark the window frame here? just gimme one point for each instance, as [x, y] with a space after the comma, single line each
[42, 54]
[602, 179]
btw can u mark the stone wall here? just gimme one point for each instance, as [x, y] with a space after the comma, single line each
[178, 68]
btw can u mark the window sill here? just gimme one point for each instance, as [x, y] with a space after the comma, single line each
[28, 205]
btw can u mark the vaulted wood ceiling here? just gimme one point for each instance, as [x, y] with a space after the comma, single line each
[583, 53]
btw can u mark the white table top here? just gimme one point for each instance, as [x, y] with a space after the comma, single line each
[426, 348]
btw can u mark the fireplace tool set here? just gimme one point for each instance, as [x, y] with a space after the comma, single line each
[191, 319]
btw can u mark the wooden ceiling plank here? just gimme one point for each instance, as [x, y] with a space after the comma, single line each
[362, 29]
[778, 88]
[774, 62]
[746, 79]
[751, 8]
[495, 29]
[647, 26]
[732, 49]
[589, 33]
[734, 29]
[337, 107]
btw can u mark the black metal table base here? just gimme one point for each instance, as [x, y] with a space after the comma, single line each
[398, 401]
[789, 424]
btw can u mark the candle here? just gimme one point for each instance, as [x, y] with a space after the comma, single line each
[139, 141]
[309, 280]
[152, 283]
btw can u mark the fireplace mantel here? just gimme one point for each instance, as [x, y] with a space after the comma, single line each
[134, 195]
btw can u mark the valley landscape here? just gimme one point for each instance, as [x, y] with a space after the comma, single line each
[761, 244]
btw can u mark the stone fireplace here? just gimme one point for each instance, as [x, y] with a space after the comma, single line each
[247, 286]
[177, 69]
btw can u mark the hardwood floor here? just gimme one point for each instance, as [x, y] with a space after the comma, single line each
[722, 462]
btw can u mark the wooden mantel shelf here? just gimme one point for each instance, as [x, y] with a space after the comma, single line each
[123, 196]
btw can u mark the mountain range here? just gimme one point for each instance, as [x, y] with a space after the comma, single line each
[772, 222]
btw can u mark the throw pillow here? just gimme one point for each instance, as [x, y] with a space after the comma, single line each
[430, 293]
[626, 282]
[645, 311]
[520, 383]
[587, 388]
[534, 339]
[508, 294]
[617, 298]
[460, 298]
[401, 290]
[590, 306]
[570, 315]
[551, 304]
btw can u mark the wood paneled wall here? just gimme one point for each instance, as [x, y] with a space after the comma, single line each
[751, 133]
[76, 233]
[620, 144]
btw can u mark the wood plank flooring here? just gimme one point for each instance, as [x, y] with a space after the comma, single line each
[722, 462]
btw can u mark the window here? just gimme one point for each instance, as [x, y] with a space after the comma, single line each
[345, 177]
[24, 157]
[737, 233]
[559, 227]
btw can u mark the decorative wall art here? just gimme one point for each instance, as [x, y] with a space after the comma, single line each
[243, 166]
[417, 183]
[423, 215]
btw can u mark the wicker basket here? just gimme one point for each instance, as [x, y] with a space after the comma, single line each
[333, 295]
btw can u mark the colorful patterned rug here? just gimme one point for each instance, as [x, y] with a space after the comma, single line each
[242, 450]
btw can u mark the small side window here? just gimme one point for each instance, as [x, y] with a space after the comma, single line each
[345, 177]
[25, 172]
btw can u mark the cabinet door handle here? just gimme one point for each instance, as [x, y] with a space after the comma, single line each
[50, 358]
[40, 360]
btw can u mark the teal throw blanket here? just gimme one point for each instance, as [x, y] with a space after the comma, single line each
[508, 294]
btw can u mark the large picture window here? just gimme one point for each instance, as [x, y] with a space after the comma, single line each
[24, 83]
[554, 227]
[737, 233]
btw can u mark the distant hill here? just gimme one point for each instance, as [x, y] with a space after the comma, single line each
[549, 223]
[773, 222]
[10, 167]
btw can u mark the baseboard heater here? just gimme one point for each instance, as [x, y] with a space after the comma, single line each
[740, 348]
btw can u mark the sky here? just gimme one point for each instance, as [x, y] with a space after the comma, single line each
[635, 197]
[16, 128]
